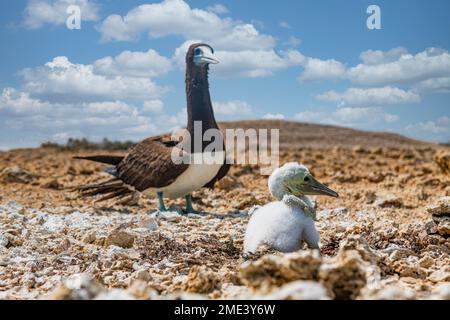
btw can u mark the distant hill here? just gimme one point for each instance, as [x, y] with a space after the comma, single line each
[296, 134]
[293, 135]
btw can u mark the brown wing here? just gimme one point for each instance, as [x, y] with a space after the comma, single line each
[149, 164]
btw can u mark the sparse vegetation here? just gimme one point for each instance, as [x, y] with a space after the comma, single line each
[85, 144]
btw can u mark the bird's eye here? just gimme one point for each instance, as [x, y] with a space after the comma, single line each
[306, 179]
[197, 51]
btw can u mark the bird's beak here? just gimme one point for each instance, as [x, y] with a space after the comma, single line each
[208, 58]
[314, 187]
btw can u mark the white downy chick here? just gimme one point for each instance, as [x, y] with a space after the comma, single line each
[283, 225]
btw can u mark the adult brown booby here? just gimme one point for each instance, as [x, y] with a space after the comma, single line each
[149, 167]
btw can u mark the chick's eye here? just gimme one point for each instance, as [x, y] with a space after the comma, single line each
[197, 52]
[306, 179]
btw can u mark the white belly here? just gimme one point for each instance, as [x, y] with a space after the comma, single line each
[194, 178]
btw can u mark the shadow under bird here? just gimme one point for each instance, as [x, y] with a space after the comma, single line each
[149, 168]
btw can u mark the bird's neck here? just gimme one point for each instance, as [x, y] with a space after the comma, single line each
[199, 106]
[303, 203]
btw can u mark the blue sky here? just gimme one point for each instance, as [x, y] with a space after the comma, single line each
[121, 75]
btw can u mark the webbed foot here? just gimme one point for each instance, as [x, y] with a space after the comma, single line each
[189, 207]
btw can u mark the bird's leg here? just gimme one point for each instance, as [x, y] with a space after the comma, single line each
[189, 208]
[162, 207]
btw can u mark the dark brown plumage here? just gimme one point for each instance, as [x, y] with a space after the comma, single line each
[149, 163]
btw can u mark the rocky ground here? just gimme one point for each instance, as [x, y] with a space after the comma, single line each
[386, 237]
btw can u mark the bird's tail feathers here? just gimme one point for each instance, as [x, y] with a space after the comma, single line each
[106, 190]
[113, 160]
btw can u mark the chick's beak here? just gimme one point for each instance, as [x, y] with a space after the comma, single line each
[314, 187]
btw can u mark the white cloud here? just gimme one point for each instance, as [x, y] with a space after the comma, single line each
[232, 108]
[272, 116]
[62, 99]
[390, 118]
[433, 85]
[358, 97]
[309, 116]
[178, 120]
[285, 25]
[47, 115]
[432, 127]
[157, 20]
[422, 73]
[398, 66]
[153, 106]
[242, 49]
[60, 80]
[22, 105]
[134, 64]
[436, 130]
[444, 121]
[31, 121]
[346, 116]
[40, 12]
[218, 8]
[246, 63]
[293, 42]
[108, 107]
[14, 102]
[318, 70]
[376, 57]
[349, 115]
[258, 63]
[360, 116]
